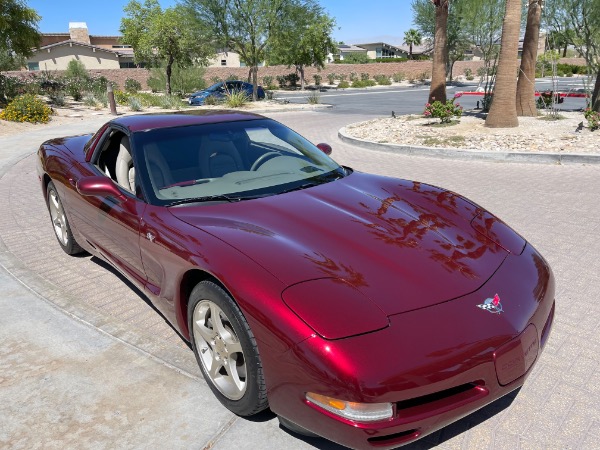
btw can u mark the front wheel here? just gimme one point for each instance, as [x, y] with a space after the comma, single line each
[226, 350]
[62, 230]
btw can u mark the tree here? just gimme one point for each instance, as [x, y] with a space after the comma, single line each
[579, 22]
[526, 84]
[306, 39]
[168, 37]
[19, 35]
[246, 27]
[437, 91]
[503, 113]
[412, 37]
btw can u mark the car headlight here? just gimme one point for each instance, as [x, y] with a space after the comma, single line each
[357, 412]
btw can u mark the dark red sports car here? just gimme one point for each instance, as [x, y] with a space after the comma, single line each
[368, 310]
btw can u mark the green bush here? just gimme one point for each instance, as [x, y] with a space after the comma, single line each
[293, 79]
[343, 84]
[235, 99]
[389, 60]
[26, 108]
[212, 100]
[593, 119]
[353, 76]
[443, 111]
[281, 80]
[354, 58]
[89, 100]
[399, 77]
[76, 69]
[364, 76]
[363, 83]
[121, 98]
[171, 102]
[382, 80]
[132, 86]
[469, 74]
[267, 80]
[135, 104]
[341, 77]
[331, 78]
[232, 77]
[215, 79]
[318, 79]
[314, 98]
[183, 81]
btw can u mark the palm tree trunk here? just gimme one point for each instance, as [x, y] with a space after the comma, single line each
[437, 91]
[503, 113]
[596, 94]
[526, 84]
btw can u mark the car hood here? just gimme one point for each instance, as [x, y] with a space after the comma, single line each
[405, 245]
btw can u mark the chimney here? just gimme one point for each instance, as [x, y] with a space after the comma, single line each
[79, 32]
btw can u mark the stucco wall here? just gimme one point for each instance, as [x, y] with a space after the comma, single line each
[57, 58]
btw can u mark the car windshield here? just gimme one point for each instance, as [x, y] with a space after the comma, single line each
[228, 161]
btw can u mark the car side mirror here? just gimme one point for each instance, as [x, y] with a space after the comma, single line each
[325, 148]
[100, 186]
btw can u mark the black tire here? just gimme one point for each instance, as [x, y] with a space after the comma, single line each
[226, 350]
[60, 223]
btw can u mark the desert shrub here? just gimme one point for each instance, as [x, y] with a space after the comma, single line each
[170, 102]
[331, 78]
[293, 79]
[593, 119]
[353, 76]
[76, 69]
[212, 100]
[382, 80]
[268, 81]
[354, 58]
[132, 86]
[281, 80]
[98, 85]
[183, 81]
[102, 98]
[232, 77]
[399, 77]
[469, 74]
[135, 104]
[343, 84]
[235, 99]
[122, 98]
[364, 76]
[388, 60]
[215, 79]
[423, 76]
[26, 108]
[318, 79]
[443, 111]
[314, 98]
[363, 83]
[341, 77]
[89, 100]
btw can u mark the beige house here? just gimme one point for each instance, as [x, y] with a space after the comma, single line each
[382, 50]
[95, 52]
[225, 59]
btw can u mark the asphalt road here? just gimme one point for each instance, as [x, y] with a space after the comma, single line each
[381, 101]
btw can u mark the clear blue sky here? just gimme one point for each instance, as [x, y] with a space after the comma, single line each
[359, 21]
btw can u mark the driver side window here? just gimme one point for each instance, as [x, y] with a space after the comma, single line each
[115, 160]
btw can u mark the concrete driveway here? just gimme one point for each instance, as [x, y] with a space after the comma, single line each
[86, 363]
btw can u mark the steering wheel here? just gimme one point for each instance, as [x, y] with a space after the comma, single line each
[262, 159]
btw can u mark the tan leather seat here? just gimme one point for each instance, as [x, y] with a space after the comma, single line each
[158, 169]
[125, 172]
[218, 157]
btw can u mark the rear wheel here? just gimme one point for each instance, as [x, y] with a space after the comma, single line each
[226, 350]
[62, 230]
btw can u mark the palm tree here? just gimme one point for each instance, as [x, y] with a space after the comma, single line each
[503, 113]
[437, 91]
[526, 84]
[412, 37]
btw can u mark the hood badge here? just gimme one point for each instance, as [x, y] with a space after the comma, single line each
[492, 305]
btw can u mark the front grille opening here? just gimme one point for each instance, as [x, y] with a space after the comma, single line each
[394, 438]
[459, 394]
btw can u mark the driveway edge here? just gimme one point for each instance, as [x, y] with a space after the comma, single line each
[471, 155]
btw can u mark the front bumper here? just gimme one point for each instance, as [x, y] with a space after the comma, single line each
[435, 365]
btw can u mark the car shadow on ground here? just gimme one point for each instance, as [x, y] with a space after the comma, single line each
[433, 440]
[137, 292]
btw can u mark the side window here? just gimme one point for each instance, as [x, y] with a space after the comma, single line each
[115, 160]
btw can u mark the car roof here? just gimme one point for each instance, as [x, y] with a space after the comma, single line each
[143, 122]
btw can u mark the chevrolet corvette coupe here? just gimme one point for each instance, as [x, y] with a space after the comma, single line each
[367, 310]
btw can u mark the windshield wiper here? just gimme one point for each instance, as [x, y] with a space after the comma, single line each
[206, 198]
[298, 188]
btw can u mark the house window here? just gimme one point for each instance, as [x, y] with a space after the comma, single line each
[33, 66]
[223, 62]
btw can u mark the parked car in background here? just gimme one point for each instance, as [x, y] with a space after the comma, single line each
[220, 90]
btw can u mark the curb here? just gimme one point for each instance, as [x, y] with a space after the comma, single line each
[472, 155]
